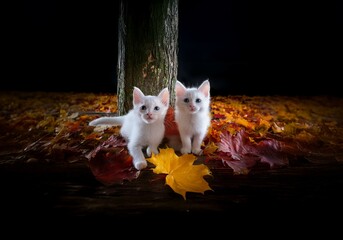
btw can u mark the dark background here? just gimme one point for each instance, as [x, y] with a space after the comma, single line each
[269, 48]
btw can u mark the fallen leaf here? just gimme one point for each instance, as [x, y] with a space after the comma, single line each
[111, 163]
[240, 153]
[210, 149]
[170, 124]
[182, 175]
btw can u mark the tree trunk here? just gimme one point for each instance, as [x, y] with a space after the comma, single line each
[147, 49]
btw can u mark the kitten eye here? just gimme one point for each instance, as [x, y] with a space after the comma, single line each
[156, 108]
[186, 100]
[198, 100]
[143, 107]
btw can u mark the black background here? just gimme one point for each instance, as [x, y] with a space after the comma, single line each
[243, 47]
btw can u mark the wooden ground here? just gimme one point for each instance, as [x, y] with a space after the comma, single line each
[65, 191]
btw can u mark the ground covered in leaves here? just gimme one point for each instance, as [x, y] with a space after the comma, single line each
[245, 132]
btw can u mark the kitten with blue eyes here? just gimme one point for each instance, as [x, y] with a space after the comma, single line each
[143, 126]
[192, 115]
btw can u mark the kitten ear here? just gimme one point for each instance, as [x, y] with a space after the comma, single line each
[205, 88]
[137, 95]
[164, 96]
[180, 89]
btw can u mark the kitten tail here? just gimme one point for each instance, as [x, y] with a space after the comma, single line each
[108, 121]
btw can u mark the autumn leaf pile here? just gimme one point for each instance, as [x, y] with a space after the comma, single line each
[245, 132]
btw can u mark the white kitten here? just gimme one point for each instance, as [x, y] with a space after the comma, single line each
[142, 126]
[192, 115]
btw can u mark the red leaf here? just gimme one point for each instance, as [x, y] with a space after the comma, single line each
[111, 163]
[238, 152]
[239, 166]
[270, 151]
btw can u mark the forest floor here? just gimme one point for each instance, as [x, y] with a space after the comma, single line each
[266, 155]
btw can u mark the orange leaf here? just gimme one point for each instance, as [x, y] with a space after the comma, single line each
[210, 148]
[170, 124]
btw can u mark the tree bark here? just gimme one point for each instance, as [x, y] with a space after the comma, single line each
[147, 49]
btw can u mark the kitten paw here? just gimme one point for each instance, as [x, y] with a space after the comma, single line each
[185, 151]
[197, 151]
[149, 151]
[139, 165]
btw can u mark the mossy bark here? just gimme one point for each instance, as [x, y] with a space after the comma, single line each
[147, 49]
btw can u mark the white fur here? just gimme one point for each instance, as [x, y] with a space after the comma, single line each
[192, 115]
[142, 126]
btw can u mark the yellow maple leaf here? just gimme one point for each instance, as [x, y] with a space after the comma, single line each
[182, 175]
